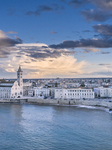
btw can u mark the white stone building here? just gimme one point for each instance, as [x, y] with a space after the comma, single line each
[5, 91]
[27, 87]
[41, 92]
[103, 92]
[12, 89]
[74, 93]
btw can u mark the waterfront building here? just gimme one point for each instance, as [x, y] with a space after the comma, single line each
[12, 89]
[5, 91]
[27, 86]
[103, 92]
[41, 92]
[31, 93]
[74, 93]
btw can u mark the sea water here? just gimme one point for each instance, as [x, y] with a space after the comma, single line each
[34, 127]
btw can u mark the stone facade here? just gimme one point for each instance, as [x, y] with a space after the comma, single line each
[74, 93]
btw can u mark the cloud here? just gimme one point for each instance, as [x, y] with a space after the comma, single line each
[56, 7]
[53, 32]
[98, 43]
[103, 64]
[4, 52]
[42, 8]
[86, 31]
[94, 50]
[102, 11]
[39, 10]
[78, 3]
[96, 35]
[47, 63]
[11, 11]
[103, 4]
[7, 44]
[46, 8]
[6, 41]
[99, 74]
[63, 66]
[105, 29]
[41, 51]
[10, 69]
[96, 15]
[103, 73]
[11, 32]
[105, 52]
[29, 13]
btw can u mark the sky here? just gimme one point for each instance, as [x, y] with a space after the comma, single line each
[56, 38]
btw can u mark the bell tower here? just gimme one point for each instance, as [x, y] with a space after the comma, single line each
[20, 77]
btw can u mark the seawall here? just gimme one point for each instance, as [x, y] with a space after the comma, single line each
[94, 102]
[99, 103]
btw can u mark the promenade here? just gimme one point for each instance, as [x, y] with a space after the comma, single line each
[107, 103]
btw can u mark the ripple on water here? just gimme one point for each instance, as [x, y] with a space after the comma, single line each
[33, 127]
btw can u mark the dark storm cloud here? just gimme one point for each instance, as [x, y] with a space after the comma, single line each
[29, 13]
[96, 15]
[105, 30]
[40, 55]
[48, 53]
[86, 31]
[9, 42]
[103, 64]
[43, 52]
[96, 35]
[105, 52]
[78, 3]
[102, 12]
[97, 43]
[103, 4]
[6, 44]
[4, 53]
[45, 8]
[39, 10]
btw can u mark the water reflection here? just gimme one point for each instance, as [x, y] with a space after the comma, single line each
[34, 127]
[16, 113]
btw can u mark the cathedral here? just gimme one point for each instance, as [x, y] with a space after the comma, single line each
[14, 89]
